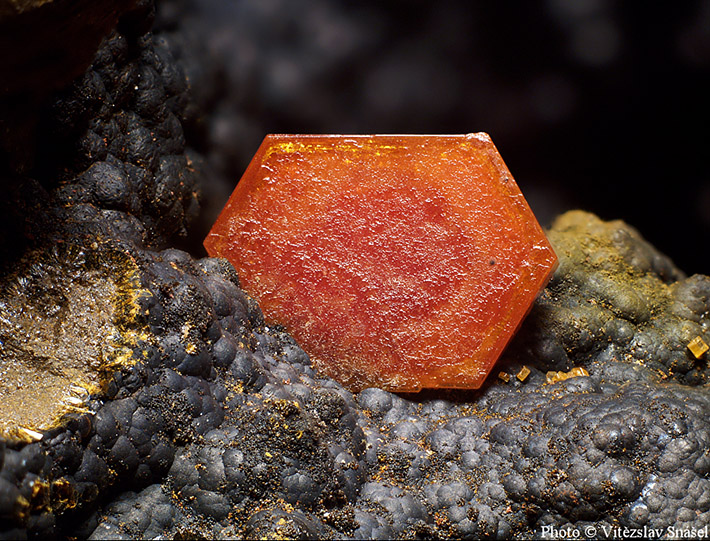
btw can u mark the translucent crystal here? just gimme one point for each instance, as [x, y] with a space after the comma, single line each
[397, 261]
[698, 347]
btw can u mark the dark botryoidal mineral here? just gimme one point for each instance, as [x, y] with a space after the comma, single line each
[204, 420]
[109, 159]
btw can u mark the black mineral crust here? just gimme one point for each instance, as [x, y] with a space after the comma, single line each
[198, 419]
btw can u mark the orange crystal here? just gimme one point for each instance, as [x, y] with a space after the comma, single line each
[397, 261]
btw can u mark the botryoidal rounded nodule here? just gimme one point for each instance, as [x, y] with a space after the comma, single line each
[209, 422]
[617, 305]
[109, 158]
[221, 428]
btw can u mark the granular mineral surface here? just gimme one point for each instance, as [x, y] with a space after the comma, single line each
[211, 423]
[397, 261]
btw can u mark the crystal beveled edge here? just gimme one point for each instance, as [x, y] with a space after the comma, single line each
[473, 135]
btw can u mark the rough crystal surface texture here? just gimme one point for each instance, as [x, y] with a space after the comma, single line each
[397, 261]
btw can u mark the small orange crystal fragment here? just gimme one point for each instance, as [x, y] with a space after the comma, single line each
[523, 373]
[397, 261]
[698, 347]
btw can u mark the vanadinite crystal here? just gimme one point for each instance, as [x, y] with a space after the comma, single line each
[396, 261]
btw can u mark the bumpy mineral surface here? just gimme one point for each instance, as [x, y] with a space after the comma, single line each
[197, 419]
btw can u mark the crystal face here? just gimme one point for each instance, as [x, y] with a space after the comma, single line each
[698, 347]
[396, 261]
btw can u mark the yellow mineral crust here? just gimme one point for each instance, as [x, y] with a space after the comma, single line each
[67, 321]
[577, 371]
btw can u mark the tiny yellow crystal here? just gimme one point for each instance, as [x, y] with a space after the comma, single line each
[698, 347]
[504, 376]
[523, 374]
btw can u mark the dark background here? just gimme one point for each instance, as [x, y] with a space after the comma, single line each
[593, 104]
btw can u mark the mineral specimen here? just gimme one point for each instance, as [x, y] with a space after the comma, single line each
[218, 427]
[403, 262]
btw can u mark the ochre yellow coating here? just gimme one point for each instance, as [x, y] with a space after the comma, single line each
[63, 331]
